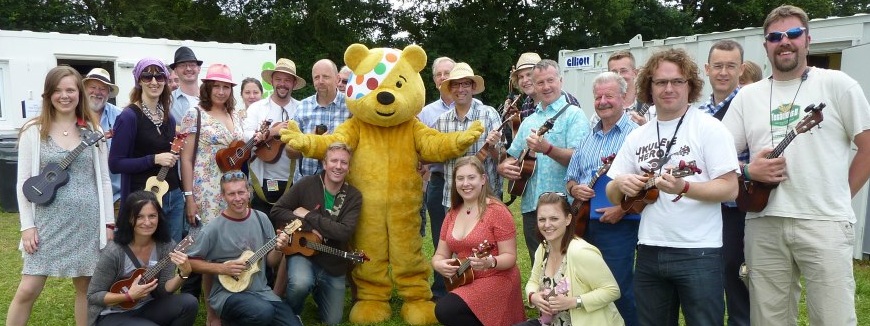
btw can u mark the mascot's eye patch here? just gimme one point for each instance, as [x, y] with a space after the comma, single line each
[360, 85]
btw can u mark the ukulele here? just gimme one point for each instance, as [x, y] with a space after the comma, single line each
[526, 161]
[239, 283]
[308, 244]
[42, 188]
[649, 193]
[232, 157]
[465, 275]
[270, 150]
[582, 208]
[123, 286]
[752, 196]
[157, 184]
[483, 153]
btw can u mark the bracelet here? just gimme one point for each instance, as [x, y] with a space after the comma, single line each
[129, 298]
[530, 297]
[178, 271]
[494, 262]
[187, 193]
[549, 149]
[110, 227]
[746, 172]
[685, 190]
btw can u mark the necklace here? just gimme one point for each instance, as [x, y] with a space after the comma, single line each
[665, 155]
[156, 118]
[790, 112]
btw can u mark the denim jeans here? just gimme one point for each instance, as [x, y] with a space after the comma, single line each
[437, 211]
[176, 309]
[617, 243]
[690, 276]
[173, 208]
[246, 308]
[304, 277]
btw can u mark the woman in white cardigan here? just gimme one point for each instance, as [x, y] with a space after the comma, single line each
[570, 284]
[62, 238]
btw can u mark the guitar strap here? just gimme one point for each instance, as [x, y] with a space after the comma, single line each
[198, 131]
[258, 188]
[132, 257]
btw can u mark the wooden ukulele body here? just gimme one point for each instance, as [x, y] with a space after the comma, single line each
[240, 283]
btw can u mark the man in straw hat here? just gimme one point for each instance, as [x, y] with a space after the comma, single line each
[187, 67]
[552, 150]
[270, 179]
[98, 84]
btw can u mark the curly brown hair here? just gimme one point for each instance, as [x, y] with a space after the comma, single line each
[678, 57]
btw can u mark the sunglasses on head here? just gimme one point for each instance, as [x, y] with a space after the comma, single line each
[793, 33]
[233, 175]
[146, 77]
[560, 194]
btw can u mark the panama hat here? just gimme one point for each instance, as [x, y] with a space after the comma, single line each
[285, 66]
[101, 75]
[219, 72]
[184, 54]
[460, 71]
[526, 60]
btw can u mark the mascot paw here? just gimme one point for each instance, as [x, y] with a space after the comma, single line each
[470, 135]
[371, 312]
[293, 136]
[419, 312]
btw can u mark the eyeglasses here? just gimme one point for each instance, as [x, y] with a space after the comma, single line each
[463, 84]
[560, 194]
[232, 176]
[146, 77]
[184, 65]
[793, 33]
[664, 82]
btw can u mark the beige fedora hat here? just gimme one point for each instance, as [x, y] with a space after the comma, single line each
[285, 66]
[101, 75]
[526, 60]
[463, 70]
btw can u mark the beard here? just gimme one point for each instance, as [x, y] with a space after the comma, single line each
[785, 64]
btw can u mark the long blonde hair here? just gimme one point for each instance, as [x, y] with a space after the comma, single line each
[48, 113]
[485, 192]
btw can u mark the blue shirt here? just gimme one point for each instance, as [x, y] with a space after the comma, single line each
[568, 130]
[180, 105]
[587, 159]
[107, 120]
[308, 116]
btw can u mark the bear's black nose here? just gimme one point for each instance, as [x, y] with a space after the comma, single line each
[386, 98]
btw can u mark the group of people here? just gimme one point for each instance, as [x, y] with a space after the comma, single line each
[662, 234]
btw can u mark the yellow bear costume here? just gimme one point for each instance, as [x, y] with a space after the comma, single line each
[384, 94]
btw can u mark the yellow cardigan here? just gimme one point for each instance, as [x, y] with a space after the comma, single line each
[591, 280]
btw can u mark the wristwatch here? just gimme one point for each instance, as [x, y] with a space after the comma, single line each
[579, 303]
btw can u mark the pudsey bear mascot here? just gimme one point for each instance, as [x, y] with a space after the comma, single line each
[385, 93]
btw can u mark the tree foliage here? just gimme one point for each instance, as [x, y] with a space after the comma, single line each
[488, 34]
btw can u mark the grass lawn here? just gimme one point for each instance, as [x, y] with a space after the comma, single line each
[55, 305]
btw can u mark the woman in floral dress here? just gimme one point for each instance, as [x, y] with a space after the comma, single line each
[570, 284]
[476, 217]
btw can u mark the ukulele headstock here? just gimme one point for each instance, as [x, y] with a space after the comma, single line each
[813, 118]
[185, 243]
[684, 169]
[292, 227]
[483, 249]
[178, 143]
[91, 137]
[358, 257]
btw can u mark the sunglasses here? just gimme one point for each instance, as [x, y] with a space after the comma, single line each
[232, 176]
[560, 194]
[146, 77]
[342, 81]
[793, 33]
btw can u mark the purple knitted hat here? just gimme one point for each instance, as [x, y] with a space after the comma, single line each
[144, 63]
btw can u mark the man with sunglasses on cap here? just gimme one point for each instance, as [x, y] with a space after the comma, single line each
[807, 226]
[187, 67]
[98, 85]
[218, 247]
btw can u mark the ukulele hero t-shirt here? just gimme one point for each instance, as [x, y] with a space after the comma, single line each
[817, 162]
[700, 140]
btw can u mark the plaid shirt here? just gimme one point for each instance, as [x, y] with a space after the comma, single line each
[310, 114]
[449, 122]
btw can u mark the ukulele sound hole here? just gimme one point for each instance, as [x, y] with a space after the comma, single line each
[51, 176]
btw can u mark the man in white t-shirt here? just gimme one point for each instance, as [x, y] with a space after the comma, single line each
[807, 227]
[680, 236]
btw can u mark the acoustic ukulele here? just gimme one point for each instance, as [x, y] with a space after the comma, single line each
[582, 208]
[465, 274]
[123, 286]
[308, 244]
[752, 196]
[157, 184]
[649, 194]
[239, 283]
[270, 150]
[42, 188]
[232, 157]
[526, 162]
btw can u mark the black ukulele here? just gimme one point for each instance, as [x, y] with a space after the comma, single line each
[42, 188]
